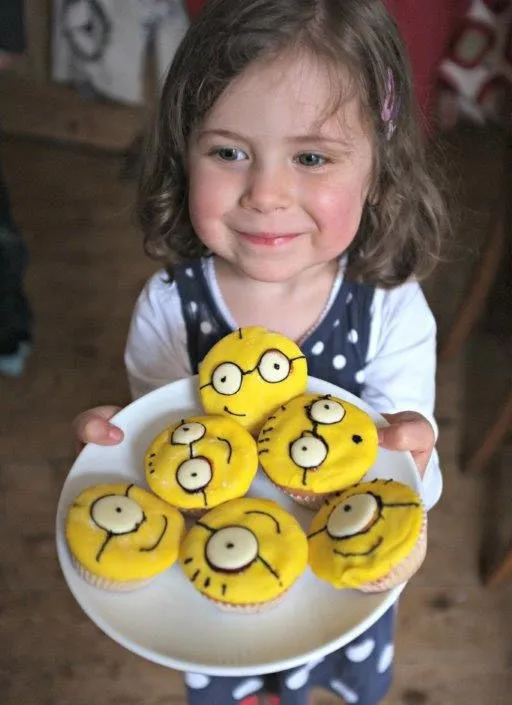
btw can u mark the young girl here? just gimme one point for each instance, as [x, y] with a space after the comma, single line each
[285, 186]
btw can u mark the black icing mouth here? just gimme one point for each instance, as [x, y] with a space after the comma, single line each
[233, 413]
[148, 549]
[348, 554]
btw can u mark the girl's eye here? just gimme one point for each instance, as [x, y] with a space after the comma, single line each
[312, 159]
[231, 154]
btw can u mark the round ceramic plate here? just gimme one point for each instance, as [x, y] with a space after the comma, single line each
[168, 621]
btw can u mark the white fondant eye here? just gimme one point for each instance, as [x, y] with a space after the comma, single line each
[232, 548]
[227, 378]
[353, 516]
[308, 452]
[117, 514]
[194, 474]
[187, 433]
[327, 411]
[274, 366]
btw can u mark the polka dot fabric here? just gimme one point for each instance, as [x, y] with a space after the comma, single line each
[360, 673]
[336, 349]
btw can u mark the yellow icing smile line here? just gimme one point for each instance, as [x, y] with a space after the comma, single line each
[363, 553]
[233, 413]
[159, 539]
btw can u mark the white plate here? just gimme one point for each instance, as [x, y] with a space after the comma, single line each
[168, 621]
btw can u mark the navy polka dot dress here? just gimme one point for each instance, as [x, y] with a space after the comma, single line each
[336, 352]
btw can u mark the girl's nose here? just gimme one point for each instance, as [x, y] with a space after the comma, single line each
[267, 190]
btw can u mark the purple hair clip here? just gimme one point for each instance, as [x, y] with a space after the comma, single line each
[391, 106]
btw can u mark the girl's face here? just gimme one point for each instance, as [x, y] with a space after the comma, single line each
[276, 187]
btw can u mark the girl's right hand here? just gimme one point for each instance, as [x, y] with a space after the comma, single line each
[93, 426]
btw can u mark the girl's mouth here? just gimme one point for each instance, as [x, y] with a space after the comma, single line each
[269, 239]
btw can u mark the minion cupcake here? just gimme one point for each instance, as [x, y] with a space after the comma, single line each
[249, 373]
[371, 537]
[120, 536]
[245, 554]
[315, 445]
[201, 462]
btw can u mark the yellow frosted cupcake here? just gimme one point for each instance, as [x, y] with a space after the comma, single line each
[316, 445]
[371, 537]
[200, 462]
[245, 554]
[249, 373]
[120, 536]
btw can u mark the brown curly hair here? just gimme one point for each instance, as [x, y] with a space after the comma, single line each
[404, 219]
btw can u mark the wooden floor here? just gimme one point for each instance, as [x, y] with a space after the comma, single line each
[454, 641]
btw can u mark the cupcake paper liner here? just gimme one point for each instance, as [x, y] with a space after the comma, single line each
[107, 583]
[405, 569]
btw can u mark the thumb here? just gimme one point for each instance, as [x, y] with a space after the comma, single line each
[94, 426]
[409, 431]
[402, 436]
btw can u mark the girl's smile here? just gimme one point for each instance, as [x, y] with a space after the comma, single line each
[269, 239]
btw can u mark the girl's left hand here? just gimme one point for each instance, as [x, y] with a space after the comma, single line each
[409, 430]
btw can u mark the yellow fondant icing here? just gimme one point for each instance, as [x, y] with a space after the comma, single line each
[317, 443]
[249, 373]
[245, 551]
[361, 534]
[122, 532]
[201, 461]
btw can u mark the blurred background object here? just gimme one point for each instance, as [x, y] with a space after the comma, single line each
[100, 47]
[15, 315]
[475, 77]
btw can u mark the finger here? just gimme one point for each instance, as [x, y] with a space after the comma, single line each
[401, 416]
[415, 436]
[106, 412]
[95, 429]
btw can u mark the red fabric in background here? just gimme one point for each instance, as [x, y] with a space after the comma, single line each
[194, 6]
[426, 26]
